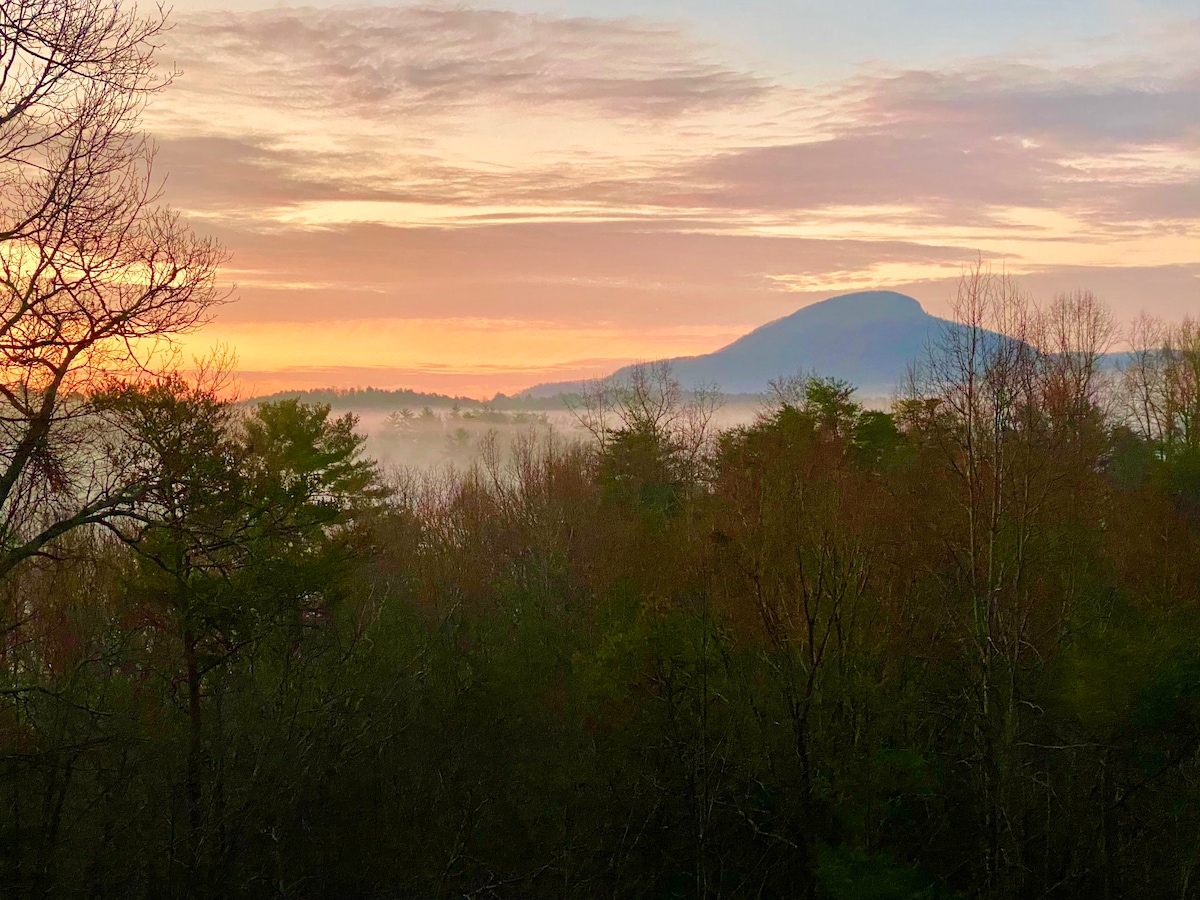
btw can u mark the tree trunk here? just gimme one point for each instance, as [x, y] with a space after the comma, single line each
[194, 750]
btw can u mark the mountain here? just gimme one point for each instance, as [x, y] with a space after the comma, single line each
[868, 339]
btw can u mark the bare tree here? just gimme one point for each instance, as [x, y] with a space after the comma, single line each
[1143, 386]
[94, 274]
[1160, 383]
[1073, 334]
[649, 401]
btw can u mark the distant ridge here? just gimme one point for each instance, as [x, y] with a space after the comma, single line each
[389, 400]
[369, 398]
[867, 338]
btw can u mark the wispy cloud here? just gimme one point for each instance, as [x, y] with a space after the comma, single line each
[1095, 108]
[383, 62]
[963, 145]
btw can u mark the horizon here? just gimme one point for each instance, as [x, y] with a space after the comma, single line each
[477, 199]
[530, 393]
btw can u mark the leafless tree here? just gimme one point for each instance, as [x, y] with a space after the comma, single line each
[1073, 334]
[1160, 383]
[649, 400]
[94, 274]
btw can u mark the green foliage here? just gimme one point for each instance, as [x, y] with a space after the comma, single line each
[297, 451]
[254, 517]
[1131, 460]
[642, 653]
[875, 437]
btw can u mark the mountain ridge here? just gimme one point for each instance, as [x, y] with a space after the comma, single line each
[868, 338]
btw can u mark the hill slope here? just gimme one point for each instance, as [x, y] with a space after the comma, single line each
[867, 338]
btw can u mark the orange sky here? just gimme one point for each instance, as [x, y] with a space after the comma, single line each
[477, 200]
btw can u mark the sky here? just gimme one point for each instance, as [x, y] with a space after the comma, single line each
[473, 199]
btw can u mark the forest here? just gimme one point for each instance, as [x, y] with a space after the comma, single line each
[944, 650]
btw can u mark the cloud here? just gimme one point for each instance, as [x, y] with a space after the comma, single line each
[215, 173]
[1169, 292]
[1079, 108]
[570, 272]
[951, 174]
[382, 62]
[336, 105]
[967, 145]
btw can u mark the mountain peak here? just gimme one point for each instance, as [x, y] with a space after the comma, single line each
[868, 338]
[863, 306]
[837, 318]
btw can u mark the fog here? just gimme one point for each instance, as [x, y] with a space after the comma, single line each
[434, 438]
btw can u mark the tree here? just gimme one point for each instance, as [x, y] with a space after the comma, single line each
[796, 569]
[242, 533]
[94, 274]
[651, 437]
[1009, 407]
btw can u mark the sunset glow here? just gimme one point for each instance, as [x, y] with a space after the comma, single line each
[478, 199]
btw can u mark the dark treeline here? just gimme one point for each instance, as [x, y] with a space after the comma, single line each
[945, 651]
[380, 399]
[372, 399]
